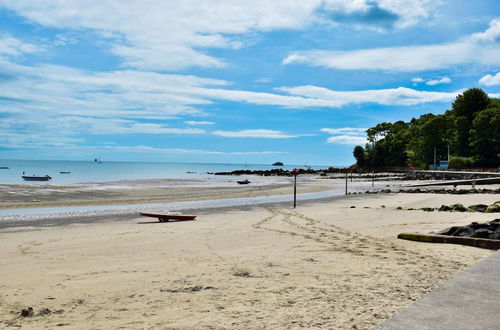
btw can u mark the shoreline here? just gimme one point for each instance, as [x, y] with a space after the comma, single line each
[124, 198]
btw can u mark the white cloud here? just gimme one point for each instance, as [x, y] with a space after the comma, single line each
[44, 92]
[478, 48]
[490, 80]
[346, 135]
[417, 80]
[255, 133]
[344, 130]
[172, 35]
[15, 47]
[148, 149]
[434, 82]
[193, 122]
[391, 96]
[347, 139]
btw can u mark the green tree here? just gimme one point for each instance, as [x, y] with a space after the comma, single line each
[461, 136]
[471, 101]
[428, 133]
[359, 154]
[485, 137]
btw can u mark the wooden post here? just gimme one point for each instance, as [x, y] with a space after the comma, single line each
[373, 178]
[295, 173]
[295, 192]
[351, 175]
[346, 182]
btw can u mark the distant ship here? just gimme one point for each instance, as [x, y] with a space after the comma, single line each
[4, 167]
[97, 160]
[278, 164]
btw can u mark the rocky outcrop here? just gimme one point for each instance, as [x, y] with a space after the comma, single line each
[493, 208]
[490, 230]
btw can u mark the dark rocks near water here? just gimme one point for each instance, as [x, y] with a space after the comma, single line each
[444, 208]
[386, 174]
[489, 230]
[483, 208]
[477, 208]
[493, 208]
[273, 172]
[439, 191]
[457, 208]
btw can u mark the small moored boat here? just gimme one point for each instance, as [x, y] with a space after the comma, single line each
[4, 167]
[36, 178]
[243, 182]
[65, 172]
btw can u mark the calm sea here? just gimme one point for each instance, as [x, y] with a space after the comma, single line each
[89, 171]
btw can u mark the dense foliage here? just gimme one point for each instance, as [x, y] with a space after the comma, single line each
[471, 129]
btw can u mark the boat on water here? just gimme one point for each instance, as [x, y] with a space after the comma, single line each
[36, 178]
[278, 164]
[65, 172]
[243, 182]
[4, 167]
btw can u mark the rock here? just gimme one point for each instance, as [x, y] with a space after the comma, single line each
[353, 207]
[458, 208]
[493, 208]
[444, 208]
[427, 209]
[477, 226]
[27, 312]
[477, 208]
[482, 233]
[464, 232]
[488, 230]
[495, 222]
[399, 208]
[448, 231]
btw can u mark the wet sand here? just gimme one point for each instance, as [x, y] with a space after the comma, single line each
[322, 265]
[152, 191]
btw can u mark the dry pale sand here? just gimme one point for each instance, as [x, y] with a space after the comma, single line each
[322, 265]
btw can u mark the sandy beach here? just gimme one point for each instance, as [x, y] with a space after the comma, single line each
[326, 264]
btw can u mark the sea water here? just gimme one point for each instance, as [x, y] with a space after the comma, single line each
[95, 171]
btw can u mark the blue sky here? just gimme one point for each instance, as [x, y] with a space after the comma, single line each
[231, 81]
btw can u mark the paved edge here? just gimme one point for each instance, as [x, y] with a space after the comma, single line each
[467, 301]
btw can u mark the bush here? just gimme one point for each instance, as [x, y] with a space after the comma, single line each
[458, 163]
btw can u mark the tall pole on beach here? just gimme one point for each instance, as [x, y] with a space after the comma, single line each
[346, 181]
[295, 172]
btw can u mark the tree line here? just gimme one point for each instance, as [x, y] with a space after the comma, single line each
[469, 132]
